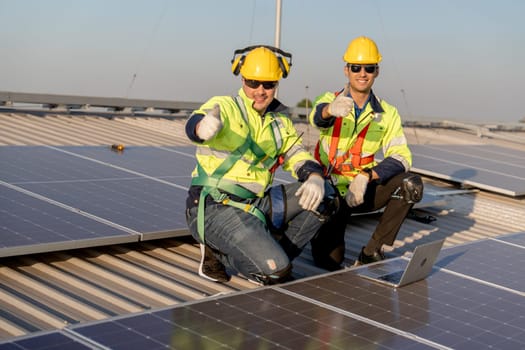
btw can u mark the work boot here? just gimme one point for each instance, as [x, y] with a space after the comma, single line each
[364, 259]
[210, 267]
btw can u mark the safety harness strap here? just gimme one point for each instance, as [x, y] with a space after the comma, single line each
[269, 162]
[337, 165]
[213, 186]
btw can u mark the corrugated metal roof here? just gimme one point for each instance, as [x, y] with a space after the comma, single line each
[51, 290]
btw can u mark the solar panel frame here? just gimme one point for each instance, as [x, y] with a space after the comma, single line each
[54, 340]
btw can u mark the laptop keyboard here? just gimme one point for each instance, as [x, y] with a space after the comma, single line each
[394, 277]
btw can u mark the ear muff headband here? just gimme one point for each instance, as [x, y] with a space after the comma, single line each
[283, 63]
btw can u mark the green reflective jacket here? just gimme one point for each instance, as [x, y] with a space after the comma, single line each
[274, 134]
[385, 134]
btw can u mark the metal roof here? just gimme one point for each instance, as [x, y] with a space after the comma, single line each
[51, 290]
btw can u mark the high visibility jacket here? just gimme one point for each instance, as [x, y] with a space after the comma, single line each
[273, 135]
[385, 132]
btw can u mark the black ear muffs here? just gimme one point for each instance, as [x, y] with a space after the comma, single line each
[284, 64]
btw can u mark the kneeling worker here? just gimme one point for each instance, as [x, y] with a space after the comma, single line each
[232, 210]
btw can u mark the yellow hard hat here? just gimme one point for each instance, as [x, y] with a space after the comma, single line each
[362, 50]
[261, 63]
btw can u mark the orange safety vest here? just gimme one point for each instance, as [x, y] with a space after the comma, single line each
[336, 163]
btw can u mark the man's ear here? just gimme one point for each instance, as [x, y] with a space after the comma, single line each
[345, 70]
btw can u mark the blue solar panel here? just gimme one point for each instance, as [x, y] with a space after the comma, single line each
[493, 261]
[515, 238]
[264, 319]
[486, 167]
[140, 204]
[174, 163]
[339, 310]
[451, 310]
[30, 225]
[95, 196]
[43, 164]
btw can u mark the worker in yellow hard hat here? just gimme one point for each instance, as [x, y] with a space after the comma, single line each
[354, 125]
[240, 220]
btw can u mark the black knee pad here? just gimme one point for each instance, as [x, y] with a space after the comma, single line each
[277, 277]
[412, 189]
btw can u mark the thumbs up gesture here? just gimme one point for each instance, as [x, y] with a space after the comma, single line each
[210, 125]
[342, 105]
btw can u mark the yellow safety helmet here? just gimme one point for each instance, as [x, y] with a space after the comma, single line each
[362, 50]
[261, 63]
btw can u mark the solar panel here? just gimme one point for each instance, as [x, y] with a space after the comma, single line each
[515, 238]
[263, 319]
[30, 225]
[140, 204]
[175, 163]
[339, 310]
[136, 194]
[455, 307]
[23, 164]
[486, 167]
[492, 261]
[448, 309]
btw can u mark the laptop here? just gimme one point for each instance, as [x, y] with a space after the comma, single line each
[396, 274]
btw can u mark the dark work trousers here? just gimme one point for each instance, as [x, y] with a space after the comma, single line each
[328, 246]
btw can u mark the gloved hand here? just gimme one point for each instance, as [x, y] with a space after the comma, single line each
[356, 191]
[311, 192]
[210, 125]
[342, 105]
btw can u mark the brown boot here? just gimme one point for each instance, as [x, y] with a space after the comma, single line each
[210, 267]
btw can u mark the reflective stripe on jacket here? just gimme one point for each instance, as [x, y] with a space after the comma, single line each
[385, 134]
[251, 171]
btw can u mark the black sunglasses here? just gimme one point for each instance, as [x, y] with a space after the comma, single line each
[369, 68]
[267, 85]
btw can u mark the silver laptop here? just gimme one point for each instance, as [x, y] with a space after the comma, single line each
[396, 274]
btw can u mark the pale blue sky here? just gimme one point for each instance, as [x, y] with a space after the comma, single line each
[454, 60]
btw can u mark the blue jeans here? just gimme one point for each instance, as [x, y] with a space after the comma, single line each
[247, 244]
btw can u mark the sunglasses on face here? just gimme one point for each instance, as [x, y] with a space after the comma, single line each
[369, 68]
[254, 84]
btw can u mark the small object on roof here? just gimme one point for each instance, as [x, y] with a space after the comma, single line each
[117, 147]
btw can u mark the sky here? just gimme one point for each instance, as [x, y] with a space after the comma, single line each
[457, 60]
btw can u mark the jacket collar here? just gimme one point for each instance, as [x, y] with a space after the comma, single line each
[375, 103]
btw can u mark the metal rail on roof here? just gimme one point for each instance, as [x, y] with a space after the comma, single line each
[66, 102]
[114, 104]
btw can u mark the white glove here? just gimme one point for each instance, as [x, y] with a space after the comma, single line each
[356, 191]
[210, 125]
[311, 192]
[342, 105]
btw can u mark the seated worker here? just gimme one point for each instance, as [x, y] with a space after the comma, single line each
[354, 125]
[232, 210]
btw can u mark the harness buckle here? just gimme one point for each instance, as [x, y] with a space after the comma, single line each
[217, 195]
